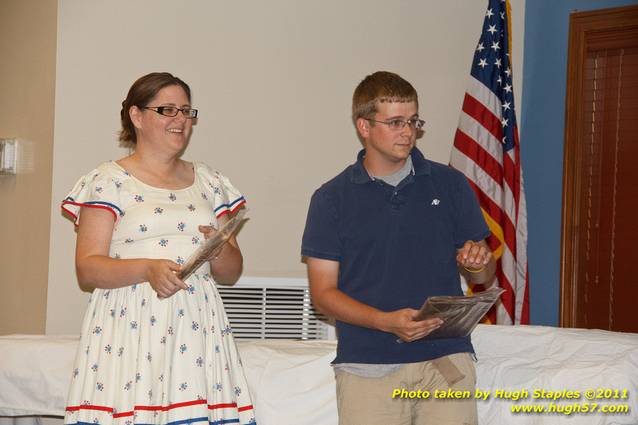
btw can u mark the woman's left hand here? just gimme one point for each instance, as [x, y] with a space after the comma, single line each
[209, 232]
[226, 262]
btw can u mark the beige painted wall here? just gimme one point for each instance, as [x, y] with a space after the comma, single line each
[27, 84]
[273, 82]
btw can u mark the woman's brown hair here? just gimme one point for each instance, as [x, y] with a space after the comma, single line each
[140, 94]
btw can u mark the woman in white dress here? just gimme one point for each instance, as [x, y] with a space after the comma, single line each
[155, 349]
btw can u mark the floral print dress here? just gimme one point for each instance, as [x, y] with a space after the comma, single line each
[145, 360]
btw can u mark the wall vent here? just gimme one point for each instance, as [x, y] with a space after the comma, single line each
[273, 308]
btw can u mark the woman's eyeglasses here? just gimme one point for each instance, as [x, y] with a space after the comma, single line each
[171, 111]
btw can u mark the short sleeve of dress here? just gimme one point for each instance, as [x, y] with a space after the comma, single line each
[226, 198]
[98, 189]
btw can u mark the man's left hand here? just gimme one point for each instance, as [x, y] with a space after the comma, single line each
[474, 256]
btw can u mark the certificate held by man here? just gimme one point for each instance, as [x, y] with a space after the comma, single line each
[460, 314]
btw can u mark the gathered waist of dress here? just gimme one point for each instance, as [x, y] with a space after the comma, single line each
[200, 281]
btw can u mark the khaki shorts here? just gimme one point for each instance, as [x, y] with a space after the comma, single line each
[370, 401]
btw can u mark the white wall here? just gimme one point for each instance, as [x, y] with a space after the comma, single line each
[273, 82]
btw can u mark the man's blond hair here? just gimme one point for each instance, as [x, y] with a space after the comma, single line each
[382, 86]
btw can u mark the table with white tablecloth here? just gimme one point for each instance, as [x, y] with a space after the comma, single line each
[292, 382]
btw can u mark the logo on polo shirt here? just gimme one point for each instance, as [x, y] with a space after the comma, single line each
[435, 202]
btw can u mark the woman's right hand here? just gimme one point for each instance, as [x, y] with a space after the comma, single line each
[161, 274]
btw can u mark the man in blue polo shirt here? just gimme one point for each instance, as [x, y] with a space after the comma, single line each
[391, 230]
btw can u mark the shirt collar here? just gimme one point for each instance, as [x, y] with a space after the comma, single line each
[420, 166]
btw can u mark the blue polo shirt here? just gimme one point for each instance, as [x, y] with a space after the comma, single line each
[395, 246]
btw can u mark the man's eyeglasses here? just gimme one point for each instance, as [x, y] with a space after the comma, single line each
[397, 124]
[171, 111]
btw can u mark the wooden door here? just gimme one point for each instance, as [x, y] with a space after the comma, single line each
[599, 252]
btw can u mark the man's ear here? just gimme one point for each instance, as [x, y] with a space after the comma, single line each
[136, 116]
[363, 127]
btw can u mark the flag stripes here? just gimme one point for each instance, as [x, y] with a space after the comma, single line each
[486, 149]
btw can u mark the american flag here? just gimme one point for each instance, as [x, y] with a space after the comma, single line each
[486, 149]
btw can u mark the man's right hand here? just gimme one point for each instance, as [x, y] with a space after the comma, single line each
[329, 300]
[402, 323]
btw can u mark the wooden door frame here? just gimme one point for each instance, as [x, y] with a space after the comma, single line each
[586, 30]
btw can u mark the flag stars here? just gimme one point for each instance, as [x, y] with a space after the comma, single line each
[498, 64]
[507, 106]
[492, 29]
[489, 13]
[508, 71]
[504, 122]
[480, 47]
[495, 46]
[507, 88]
[499, 80]
[483, 63]
[503, 15]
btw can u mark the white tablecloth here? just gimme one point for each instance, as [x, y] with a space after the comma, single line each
[292, 381]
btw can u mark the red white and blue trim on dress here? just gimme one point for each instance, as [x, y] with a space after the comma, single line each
[165, 409]
[114, 209]
[184, 421]
[230, 207]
